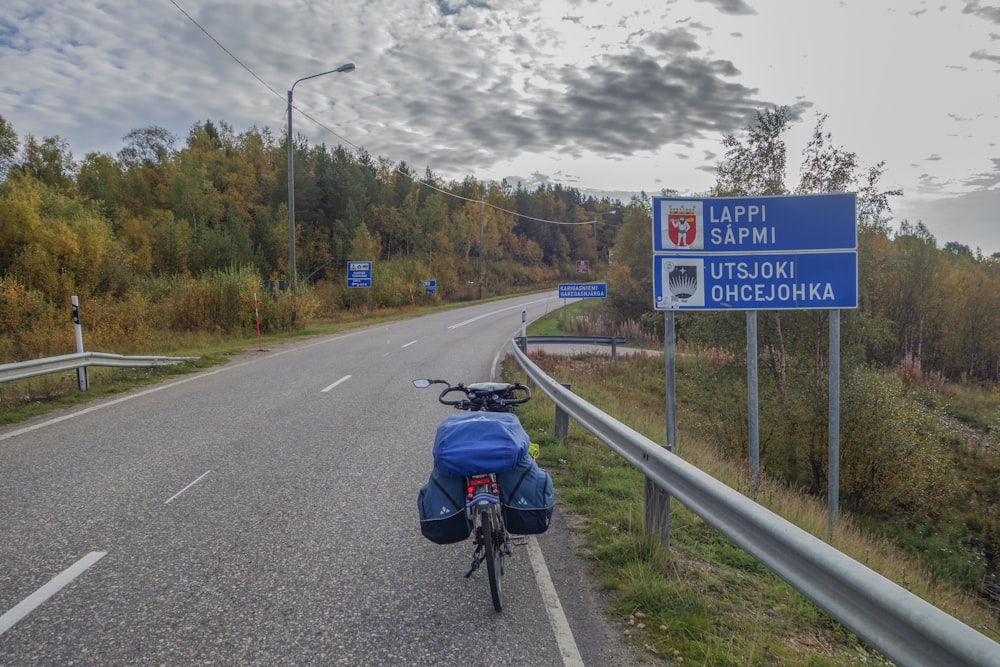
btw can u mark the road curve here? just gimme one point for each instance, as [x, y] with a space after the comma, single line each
[263, 513]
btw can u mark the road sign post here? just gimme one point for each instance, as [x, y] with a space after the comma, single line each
[359, 274]
[583, 290]
[760, 253]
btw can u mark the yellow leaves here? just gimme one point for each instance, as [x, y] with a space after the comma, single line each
[28, 323]
[891, 456]
[19, 219]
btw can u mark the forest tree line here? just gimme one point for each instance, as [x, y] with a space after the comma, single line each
[175, 234]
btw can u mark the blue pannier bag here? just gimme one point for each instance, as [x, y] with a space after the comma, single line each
[441, 506]
[527, 497]
[478, 442]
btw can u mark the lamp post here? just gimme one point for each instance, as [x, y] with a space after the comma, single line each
[348, 67]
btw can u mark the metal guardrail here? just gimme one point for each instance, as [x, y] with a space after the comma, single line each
[902, 626]
[67, 362]
[523, 341]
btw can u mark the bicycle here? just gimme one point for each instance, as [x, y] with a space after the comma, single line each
[478, 451]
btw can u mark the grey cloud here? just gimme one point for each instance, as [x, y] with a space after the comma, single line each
[658, 93]
[969, 219]
[431, 87]
[986, 180]
[991, 14]
[735, 7]
[672, 40]
[981, 54]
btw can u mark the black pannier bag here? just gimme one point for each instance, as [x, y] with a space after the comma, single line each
[527, 497]
[441, 505]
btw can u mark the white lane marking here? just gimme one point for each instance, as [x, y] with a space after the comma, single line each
[33, 601]
[343, 379]
[495, 312]
[200, 477]
[560, 626]
[409, 344]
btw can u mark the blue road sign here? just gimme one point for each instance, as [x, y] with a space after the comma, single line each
[778, 281]
[359, 274]
[429, 286]
[583, 290]
[755, 224]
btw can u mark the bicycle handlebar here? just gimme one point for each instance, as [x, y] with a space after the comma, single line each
[481, 396]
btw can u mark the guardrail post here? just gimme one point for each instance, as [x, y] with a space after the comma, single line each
[656, 519]
[561, 429]
[614, 348]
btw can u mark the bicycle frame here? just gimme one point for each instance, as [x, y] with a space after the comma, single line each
[491, 540]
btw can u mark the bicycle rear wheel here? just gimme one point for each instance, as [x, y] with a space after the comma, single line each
[493, 543]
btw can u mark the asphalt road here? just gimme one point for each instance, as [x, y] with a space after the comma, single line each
[264, 513]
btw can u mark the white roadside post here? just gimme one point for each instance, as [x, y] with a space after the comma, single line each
[82, 381]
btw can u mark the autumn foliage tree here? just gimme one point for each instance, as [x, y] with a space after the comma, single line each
[170, 215]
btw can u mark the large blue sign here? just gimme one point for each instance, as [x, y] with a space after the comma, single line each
[359, 274]
[755, 224]
[583, 291]
[781, 281]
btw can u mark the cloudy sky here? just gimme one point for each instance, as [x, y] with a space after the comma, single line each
[607, 96]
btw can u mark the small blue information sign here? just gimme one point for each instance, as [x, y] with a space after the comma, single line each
[359, 274]
[755, 224]
[429, 286]
[781, 281]
[583, 290]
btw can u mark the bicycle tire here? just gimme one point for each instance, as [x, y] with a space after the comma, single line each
[492, 542]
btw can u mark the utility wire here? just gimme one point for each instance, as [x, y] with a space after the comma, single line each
[355, 146]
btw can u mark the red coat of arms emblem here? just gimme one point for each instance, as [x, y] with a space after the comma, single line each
[682, 226]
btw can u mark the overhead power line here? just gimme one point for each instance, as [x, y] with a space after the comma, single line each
[351, 143]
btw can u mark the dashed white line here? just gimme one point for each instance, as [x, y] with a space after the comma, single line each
[33, 601]
[200, 477]
[494, 312]
[409, 344]
[343, 379]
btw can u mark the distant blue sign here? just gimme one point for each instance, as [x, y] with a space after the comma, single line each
[781, 281]
[359, 274]
[583, 291]
[429, 286]
[755, 224]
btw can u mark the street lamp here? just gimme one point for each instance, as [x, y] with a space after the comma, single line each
[348, 67]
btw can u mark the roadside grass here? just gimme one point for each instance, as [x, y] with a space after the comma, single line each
[702, 601]
[558, 320]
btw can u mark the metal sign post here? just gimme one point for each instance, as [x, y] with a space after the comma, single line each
[657, 500]
[761, 253]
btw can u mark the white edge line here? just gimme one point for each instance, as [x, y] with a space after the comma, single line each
[201, 477]
[343, 379]
[146, 392]
[33, 601]
[560, 626]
